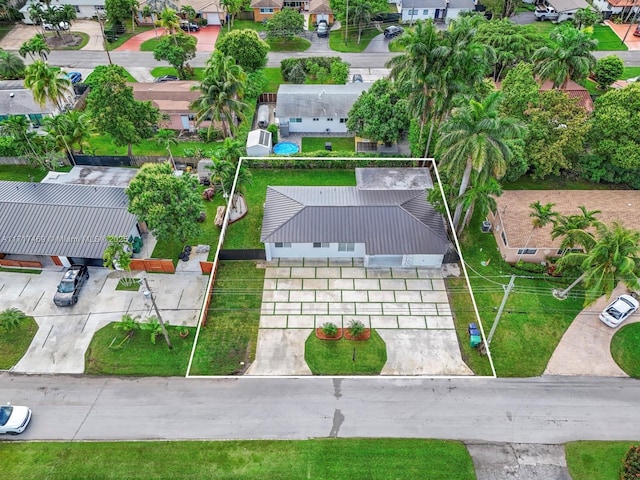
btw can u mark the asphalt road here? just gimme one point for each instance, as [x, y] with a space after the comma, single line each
[538, 410]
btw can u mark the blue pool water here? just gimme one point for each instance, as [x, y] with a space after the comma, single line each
[285, 148]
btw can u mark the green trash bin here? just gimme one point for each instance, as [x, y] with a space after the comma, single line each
[475, 340]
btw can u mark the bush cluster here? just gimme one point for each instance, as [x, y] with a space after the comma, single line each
[296, 70]
[631, 464]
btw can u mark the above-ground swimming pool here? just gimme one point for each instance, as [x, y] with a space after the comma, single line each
[285, 148]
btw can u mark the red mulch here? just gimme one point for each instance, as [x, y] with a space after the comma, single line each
[363, 336]
[320, 334]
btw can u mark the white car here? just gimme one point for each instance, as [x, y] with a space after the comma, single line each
[619, 310]
[14, 419]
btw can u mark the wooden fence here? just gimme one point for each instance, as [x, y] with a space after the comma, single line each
[153, 265]
[20, 263]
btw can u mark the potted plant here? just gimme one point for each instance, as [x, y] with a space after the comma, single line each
[357, 331]
[183, 332]
[329, 331]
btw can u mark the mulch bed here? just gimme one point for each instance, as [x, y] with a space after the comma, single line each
[363, 336]
[320, 334]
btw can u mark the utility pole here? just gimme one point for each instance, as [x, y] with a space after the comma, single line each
[149, 294]
[499, 314]
[104, 39]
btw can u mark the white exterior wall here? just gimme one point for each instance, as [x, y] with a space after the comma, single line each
[308, 125]
[407, 18]
[258, 151]
[603, 6]
[453, 13]
[213, 19]
[306, 250]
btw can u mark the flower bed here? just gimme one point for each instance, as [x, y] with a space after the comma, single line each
[322, 336]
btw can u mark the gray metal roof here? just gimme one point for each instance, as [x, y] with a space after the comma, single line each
[387, 221]
[20, 101]
[424, 4]
[568, 5]
[64, 220]
[329, 101]
[468, 4]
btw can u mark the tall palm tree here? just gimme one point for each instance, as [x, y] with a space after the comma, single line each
[11, 66]
[613, 257]
[475, 138]
[148, 12]
[169, 20]
[572, 228]
[67, 13]
[167, 138]
[568, 58]
[541, 216]
[479, 198]
[36, 45]
[17, 128]
[36, 13]
[71, 129]
[222, 90]
[46, 84]
[360, 13]
[232, 7]
[190, 13]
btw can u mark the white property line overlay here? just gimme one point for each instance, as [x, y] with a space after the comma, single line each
[223, 231]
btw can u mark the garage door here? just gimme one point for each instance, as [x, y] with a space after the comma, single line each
[323, 16]
[213, 19]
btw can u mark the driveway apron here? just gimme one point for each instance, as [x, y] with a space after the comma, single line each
[408, 307]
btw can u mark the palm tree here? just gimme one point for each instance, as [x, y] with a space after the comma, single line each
[230, 150]
[541, 216]
[36, 13]
[11, 66]
[221, 170]
[169, 20]
[232, 7]
[17, 128]
[360, 14]
[479, 197]
[46, 84]
[569, 57]
[572, 228]
[167, 138]
[36, 45]
[222, 89]
[67, 13]
[190, 13]
[148, 12]
[475, 138]
[70, 129]
[614, 257]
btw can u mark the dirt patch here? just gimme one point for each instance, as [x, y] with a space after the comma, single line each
[63, 41]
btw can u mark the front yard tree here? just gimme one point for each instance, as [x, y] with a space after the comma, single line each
[519, 91]
[285, 24]
[46, 84]
[608, 70]
[612, 256]
[169, 204]
[11, 66]
[115, 111]
[232, 7]
[587, 17]
[501, 8]
[249, 51]
[119, 10]
[379, 114]
[360, 13]
[177, 49]
[118, 254]
[169, 20]
[35, 46]
[615, 132]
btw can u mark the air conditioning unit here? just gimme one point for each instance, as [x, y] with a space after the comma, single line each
[486, 226]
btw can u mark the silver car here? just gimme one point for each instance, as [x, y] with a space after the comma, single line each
[619, 310]
[14, 419]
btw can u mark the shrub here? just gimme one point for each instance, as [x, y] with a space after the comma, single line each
[356, 328]
[531, 267]
[10, 319]
[608, 70]
[631, 464]
[207, 135]
[329, 329]
[274, 133]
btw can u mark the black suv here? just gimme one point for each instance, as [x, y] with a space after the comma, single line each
[69, 287]
[189, 27]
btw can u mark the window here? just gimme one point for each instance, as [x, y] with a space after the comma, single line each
[343, 120]
[413, 11]
[266, 10]
[99, 7]
[329, 119]
[504, 238]
[36, 119]
[527, 251]
[295, 120]
[77, 8]
[316, 119]
[346, 247]
[320, 245]
[283, 244]
[425, 12]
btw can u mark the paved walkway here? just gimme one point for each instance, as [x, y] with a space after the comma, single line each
[20, 33]
[624, 30]
[207, 37]
[408, 307]
[585, 348]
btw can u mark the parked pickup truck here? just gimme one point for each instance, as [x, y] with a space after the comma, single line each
[544, 12]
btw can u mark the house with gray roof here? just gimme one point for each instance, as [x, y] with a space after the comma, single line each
[316, 108]
[437, 10]
[15, 99]
[63, 223]
[383, 226]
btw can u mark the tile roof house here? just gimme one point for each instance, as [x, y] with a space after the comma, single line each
[384, 226]
[573, 90]
[512, 226]
[210, 10]
[616, 7]
[316, 108]
[263, 10]
[173, 99]
[68, 223]
[320, 10]
[437, 10]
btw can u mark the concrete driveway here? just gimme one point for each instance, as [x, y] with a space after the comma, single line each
[585, 347]
[409, 308]
[64, 333]
[20, 33]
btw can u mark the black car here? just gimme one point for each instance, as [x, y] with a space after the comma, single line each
[69, 287]
[189, 27]
[166, 78]
[393, 31]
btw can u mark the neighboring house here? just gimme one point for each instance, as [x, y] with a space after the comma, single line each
[616, 7]
[573, 90]
[385, 223]
[173, 99]
[210, 11]
[15, 99]
[512, 227]
[263, 10]
[84, 8]
[320, 10]
[566, 9]
[437, 10]
[316, 108]
[259, 143]
[63, 224]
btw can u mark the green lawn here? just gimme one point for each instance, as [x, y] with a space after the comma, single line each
[607, 39]
[345, 357]
[137, 356]
[231, 332]
[103, 145]
[352, 459]
[274, 77]
[543, 27]
[160, 71]
[533, 321]
[625, 349]
[151, 44]
[245, 25]
[297, 44]
[25, 173]
[338, 144]
[337, 40]
[596, 460]
[123, 37]
[630, 72]
[14, 344]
